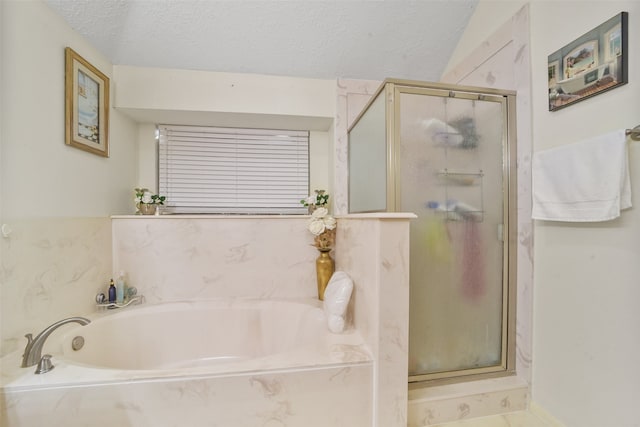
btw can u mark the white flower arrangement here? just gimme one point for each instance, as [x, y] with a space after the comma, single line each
[320, 221]
[145, 196]
[319, 199]
[323, 227]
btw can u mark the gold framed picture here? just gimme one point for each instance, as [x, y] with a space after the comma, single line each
[86, 105]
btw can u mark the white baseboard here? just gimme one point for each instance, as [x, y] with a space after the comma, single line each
[548, 419]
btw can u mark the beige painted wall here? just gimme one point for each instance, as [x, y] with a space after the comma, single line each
[209, 91]
[168, 96]
[41, 175]
[585, 319]
[2, 48]
[488, 16]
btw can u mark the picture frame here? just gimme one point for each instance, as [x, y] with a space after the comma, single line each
[591, 64]
[86, 105]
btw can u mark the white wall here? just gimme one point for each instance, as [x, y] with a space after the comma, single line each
[487, 17]
[147, 176]
[42, 176]
[320, 149]
[585, 346]
[168, 96]
[1, 109]
[216, 92]
[586, 317]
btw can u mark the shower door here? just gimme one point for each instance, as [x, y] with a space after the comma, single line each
[451, 170]
[447, 154]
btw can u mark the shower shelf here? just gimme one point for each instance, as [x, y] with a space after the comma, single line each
[460, 178]
[454, 210]
[134, 300]
[453, 215]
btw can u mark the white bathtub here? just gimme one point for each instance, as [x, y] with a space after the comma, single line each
[193, 338]
[211, 334]
[196, 358]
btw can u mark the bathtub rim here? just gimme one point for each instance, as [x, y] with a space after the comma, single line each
[67, 374]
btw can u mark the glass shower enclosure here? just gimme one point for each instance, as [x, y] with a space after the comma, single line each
[447, 154]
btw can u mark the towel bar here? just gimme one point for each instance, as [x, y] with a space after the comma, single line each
[634, 133]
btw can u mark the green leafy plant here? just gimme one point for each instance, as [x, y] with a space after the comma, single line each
[319, 199]
[143, 195]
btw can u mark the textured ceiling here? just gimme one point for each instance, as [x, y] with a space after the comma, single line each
[320, 39]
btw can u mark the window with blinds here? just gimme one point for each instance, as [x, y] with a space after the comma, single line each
[232, 170]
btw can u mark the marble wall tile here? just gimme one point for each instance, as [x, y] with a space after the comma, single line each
[375, 253]
[521, 66]
[356, 251]
[503, 61]
[336, 396]
[170, 258]
[511, 419]
[393, 323]
[450, 408]
[52, 268]
[352, 97]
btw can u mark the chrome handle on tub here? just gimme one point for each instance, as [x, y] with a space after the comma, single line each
[44, 365]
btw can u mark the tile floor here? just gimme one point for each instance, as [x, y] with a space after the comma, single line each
[513, 419]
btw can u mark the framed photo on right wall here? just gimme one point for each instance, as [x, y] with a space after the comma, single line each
[591, 64]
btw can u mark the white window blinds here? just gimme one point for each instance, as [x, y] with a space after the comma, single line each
[231, 170]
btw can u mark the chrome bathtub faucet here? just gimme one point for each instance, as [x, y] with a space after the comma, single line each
[33, 351]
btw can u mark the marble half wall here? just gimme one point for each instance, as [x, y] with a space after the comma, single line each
[374, 250]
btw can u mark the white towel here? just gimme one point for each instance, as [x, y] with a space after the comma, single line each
[584, 181]
[336, 300]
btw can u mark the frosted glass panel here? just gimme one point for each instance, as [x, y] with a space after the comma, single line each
[451, 176]
[445, 158]
[368, 160]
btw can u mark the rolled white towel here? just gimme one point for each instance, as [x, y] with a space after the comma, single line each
[336, 300]
[336, 323]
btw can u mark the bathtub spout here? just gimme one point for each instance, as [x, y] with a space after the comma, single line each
[33, 350]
